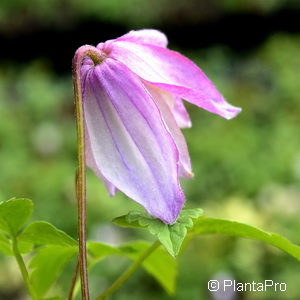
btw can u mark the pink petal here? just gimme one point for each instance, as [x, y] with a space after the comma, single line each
[145, 36]
[86, 68]
[91, 163]
[172, 72]
[162, 99]
[130, 145]
[180, 114]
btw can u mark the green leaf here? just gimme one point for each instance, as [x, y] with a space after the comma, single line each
[233, 228]
[159, 264]
[14, 214]
[47, 265]
[43, 233]
[99, 251]
[171, 236]
[53, 298]
[5, 246]
[25, 247]
[131, 220]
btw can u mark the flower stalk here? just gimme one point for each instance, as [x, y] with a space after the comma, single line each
[95, 55]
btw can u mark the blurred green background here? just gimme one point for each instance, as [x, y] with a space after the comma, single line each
[247, 169]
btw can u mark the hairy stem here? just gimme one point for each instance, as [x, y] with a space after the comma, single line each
[128, 272]
[23, 268]
[97, 58]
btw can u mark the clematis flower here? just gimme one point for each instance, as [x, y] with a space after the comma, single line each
[133, 112]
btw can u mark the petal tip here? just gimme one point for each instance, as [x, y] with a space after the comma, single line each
[170, 215]
[232, 112]
[191, 174]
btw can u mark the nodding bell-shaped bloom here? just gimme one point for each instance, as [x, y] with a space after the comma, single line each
[133, 112]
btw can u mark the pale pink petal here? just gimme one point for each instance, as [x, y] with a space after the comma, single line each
[86, 68]
[130, 144]
[172, 72]
[180, 114]
[162, 99]
[91, 163]
[145, 36]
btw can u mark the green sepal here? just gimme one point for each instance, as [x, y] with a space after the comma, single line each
[171, 236]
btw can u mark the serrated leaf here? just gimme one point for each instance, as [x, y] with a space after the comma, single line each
[44, 233]
[47, 265]
[159, 264]
[193, 213]
[131, 220]
[170, 236]
[233, 228]
[14, 214]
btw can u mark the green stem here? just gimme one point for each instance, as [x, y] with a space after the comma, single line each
[97, 58]
[23, 268]
[128, 272]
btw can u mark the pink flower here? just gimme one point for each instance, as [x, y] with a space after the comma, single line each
[133, 111]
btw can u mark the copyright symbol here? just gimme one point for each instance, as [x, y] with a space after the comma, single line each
[213, 285]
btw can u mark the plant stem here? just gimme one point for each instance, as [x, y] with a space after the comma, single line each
[74, 280]
[128, 272]
[22, 268]
[97, 58]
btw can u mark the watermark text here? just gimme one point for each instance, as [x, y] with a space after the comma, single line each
[267, 285]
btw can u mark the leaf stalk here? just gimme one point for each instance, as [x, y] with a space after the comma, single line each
[128, 272]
